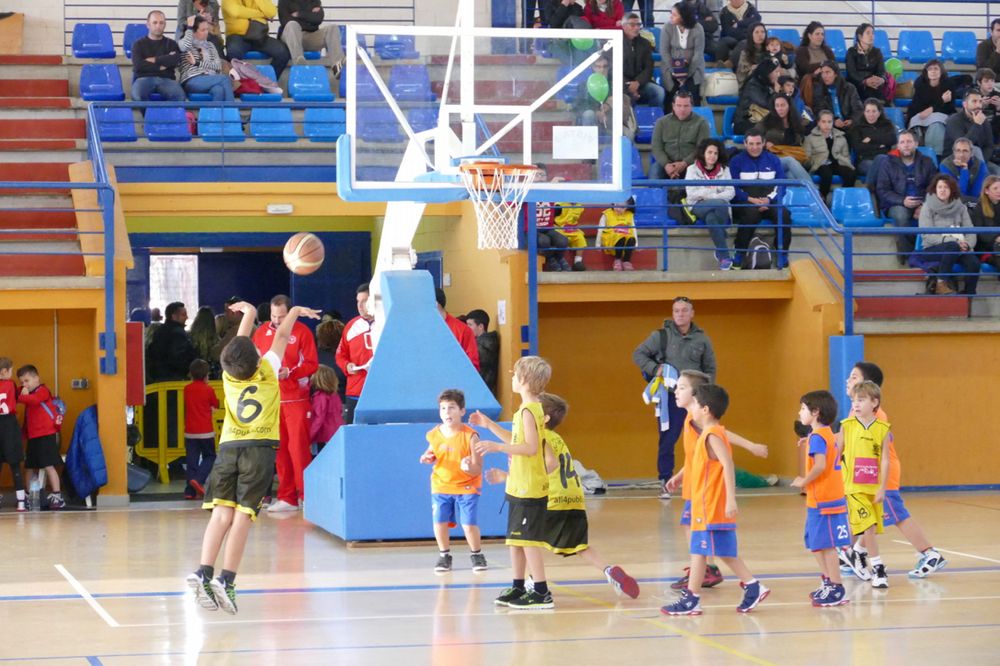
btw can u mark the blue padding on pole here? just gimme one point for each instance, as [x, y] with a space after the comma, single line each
[845, 351]
[367, 484]
[417, 358]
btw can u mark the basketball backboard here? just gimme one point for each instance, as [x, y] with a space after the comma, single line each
[420, 98]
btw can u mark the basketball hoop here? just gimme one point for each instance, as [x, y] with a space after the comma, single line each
[497, 191]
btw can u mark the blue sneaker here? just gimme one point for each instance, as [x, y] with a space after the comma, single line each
[753, 594]
[687, 604]
[834, 595]
[725, 264]
[818, 592]
[930, 561]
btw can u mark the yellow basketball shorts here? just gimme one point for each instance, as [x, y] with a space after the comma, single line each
[574, 236]
[863, 512]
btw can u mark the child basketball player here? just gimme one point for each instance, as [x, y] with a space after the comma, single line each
[567, 219]
[863, 439]
[686, 383]
[245, 464]
[713, 505]
[456, 479]
[894, 511]
[566, 514]
[826, 506]
[527, 484]
[11, 448]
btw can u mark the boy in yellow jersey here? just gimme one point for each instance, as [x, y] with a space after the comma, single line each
[894, 511]
[245, 464]
[686, 383]
[567, 217]
[713, 505]
[566, 513]
[456, 479]
[527, 484]
[863, 440]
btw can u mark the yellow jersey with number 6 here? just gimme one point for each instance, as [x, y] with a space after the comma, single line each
[253, 408]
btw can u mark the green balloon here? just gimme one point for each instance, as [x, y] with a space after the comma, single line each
[894, 66]
[582, 43]
[597, 86]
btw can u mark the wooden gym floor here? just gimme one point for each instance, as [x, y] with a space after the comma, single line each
[107, 588]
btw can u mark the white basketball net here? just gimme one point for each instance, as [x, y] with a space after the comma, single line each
[497, 192]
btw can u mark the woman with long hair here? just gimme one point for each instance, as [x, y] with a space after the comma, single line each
[752, 52]
[866, 64]
[604, 14]
[709, 202]
[933, 101]
[813, 51]
[944, 207]
[871, 134]
[682, 47]
[205, 338]
[987, 214]
[832, 93]
[783, 135]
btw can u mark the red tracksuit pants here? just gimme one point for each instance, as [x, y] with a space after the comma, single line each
[293, 451]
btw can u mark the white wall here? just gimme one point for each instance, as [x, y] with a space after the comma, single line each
[43, 24]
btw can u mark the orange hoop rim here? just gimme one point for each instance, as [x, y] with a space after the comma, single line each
[497, 168]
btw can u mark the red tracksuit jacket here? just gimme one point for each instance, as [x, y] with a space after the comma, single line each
[355, 347]
[37, 422]
[301, 359]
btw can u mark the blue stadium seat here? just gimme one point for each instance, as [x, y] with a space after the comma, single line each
[605, 164]
[410, 83]
[896, 115]
[916, 46]
[312, 55]
[571, 90]
[199, 97]
[268, 71]
[806, 211]
[272, 126]
[379, 125]
[929, 152]
[646, 116]
[905, 76]
[656, 38]
[220, 124]
[396, 47]
[93, 40]
[852, 207]
[324, 125]
[709, 116]
[167, 123]
[883, 44]
[422, 119]
[256, 55]
[133, 31]
[309, 83]
[959, 46]
[728, 118]
[101, 83]
[651, 207]
[790, 35]
[835, 40]
[366, 90]
[115, 124]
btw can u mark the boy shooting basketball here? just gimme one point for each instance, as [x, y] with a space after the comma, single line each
[245, 464]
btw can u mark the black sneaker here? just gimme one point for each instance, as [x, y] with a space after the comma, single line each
[203, 592]
[225, 595]
[509, 595]
[56, 502]
[443, 564]
[532, 601]
[478, 562]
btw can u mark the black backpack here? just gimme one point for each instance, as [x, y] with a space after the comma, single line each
[758, 255]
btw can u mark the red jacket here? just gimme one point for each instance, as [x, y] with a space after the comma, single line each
[355, 347]
[327, 416]
[37, 422]
[301, 359]
[466, 338]
[199, 401]
[600, 21]
[8, 396]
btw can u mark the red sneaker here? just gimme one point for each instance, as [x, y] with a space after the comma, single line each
[622, 582]
[712, 576]
[198, 488]
[682, 583]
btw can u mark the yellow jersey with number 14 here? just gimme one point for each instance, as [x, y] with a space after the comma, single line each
[565, 489]
[253, 407]
[527, 478]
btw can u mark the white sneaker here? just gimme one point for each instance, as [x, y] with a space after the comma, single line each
[664, 493]
[281, 506]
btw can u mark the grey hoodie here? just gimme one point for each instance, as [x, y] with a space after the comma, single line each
[685, 352]
[937, 213]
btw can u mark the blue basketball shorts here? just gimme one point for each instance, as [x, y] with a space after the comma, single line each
[720, 543]
[454, 509]
[826, 531]
[893, 509]
[686, 513]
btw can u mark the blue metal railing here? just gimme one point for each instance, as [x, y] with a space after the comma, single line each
[108, 339]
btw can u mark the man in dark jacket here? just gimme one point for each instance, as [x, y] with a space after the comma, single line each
[735, 19]
[970, 122]
[154, 59]
[489, 347]
[901, 183]
[637, 65]
[302, 30]
[170, 353]
[681, 344]
[988, 51]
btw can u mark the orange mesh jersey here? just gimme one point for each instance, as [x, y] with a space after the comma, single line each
[708, 490]
[826, 492]
[895, 469]
[690, 435]
[447, 476]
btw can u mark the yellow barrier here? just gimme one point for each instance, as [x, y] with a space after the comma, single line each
[165, 449]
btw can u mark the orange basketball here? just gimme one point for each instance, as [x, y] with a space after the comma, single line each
[303, 253]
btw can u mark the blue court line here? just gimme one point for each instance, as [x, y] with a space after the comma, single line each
[94, 661]
[427, 587]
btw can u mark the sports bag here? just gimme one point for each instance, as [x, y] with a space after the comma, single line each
[718, 84]
[56, 409]
[758, 255]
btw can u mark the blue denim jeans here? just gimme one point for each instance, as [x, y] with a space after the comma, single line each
[147, 85]
[715, 214]
[219, 86]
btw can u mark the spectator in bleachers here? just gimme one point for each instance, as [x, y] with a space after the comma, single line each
[709, 202]
[563, 14]
[328, 334]
[986, 82]
[813, 51]
[829, 154]
[208, 10]
[169, 355]
[866, 64]
[616, 234]
[682, 48]
[783, 135]
[944, 208]
[591, 111]
[755, 97]
[787, 87]
[756, 163]
[871, 134]
[201, 66]
[736, 19]
[752, 52]
[968, 170]
[247, 30]
[676, 137]
[988, 51]
[901, 181]
[831, 92]
[604, 14]
[567, 221]
[707, 19]
[931, 105]
[637, 65]
[302, 30]
[205, 339]
[488, 343]
[987, 214]
[154, 58]
[970, 122]
[463, 335]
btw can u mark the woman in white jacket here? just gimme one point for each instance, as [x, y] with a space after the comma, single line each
[709, 202]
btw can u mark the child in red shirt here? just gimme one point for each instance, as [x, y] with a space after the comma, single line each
[40, 429]
[11, 449]
[326, 409]
[199, 432]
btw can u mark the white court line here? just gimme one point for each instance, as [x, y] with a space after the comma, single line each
[955, 552]
[82, 591]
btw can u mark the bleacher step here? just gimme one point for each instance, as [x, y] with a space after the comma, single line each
[45, 128]
[912, 307]
[27, 259]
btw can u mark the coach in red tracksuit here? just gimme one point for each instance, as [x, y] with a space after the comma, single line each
[299, 363]
[354, 353]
